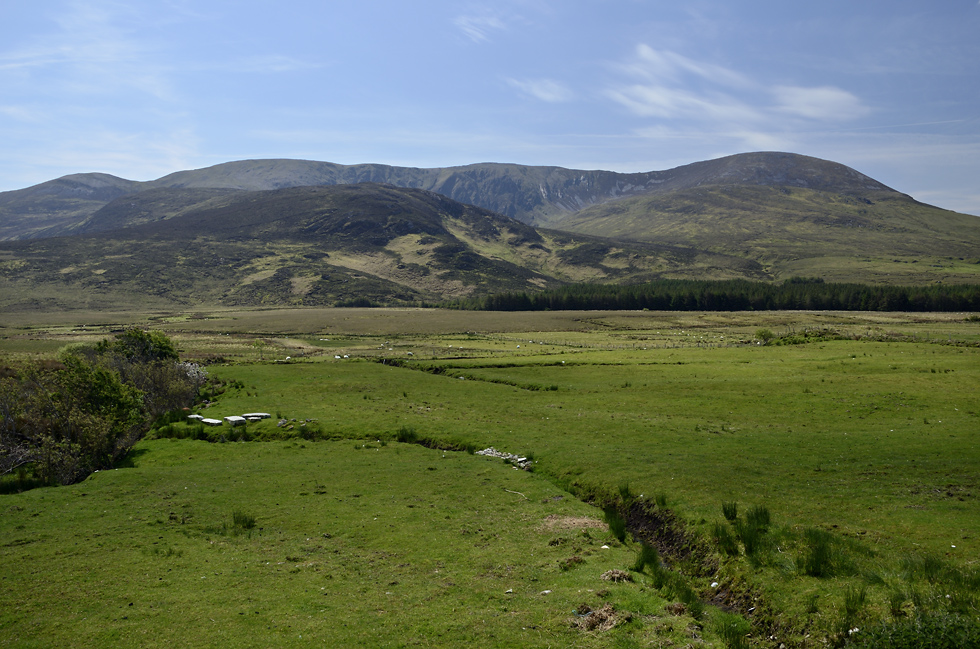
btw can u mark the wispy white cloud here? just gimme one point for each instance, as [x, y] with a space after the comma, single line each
[663, 66]
[91, 51]
[544, 89]
[825, 103]
[478, 28]
[22, 114]
[710, 101]
[672, 102]
[273, 63]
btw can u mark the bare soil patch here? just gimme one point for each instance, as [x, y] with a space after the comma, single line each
[557, 522]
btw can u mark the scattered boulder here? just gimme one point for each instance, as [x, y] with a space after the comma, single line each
[517, 460]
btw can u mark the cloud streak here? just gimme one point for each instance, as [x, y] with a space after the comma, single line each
[825, 103]
[478, 28]
[687, 95]
[547, 90]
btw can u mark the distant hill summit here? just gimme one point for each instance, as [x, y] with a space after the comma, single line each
[58, 206]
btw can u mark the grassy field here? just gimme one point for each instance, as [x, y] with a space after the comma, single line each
[337, 544]
[866, 439]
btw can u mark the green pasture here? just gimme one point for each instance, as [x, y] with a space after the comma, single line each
[866, 445]
[337, 544]
[853, 434]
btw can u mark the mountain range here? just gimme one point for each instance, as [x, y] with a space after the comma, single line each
[302, 232]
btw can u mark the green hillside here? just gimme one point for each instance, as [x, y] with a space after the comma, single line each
[760, 216]
[875, 236]
[58, 206]
[316, 246]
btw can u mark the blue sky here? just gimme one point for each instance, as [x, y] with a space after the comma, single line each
[141, 89]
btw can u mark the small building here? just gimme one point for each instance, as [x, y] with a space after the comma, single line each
[195, 417]
[256, 415]
[235, 420]
[211, 422]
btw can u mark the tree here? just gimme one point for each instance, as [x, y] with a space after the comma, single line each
[68, 419]
[141, 346]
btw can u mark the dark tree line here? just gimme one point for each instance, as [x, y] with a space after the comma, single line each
[736, 295]
[59, 421]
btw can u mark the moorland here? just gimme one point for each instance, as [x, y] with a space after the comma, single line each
[301, 233]
[759, 479]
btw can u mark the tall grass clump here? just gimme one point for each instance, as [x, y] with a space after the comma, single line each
[626, 494]
[733, 629]
[242, 521]
[407, 435]
[729, 510]
[616, 523]
[817, 556]
[750, 536]
[673, 585]
[952, 587]
[648, 556]
[725, 539]
[758, 517]
[855, 599]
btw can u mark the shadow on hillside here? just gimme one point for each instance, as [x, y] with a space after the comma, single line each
[129, 462]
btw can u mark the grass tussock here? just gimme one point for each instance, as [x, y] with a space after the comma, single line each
[616, 523]
[732, 628]
[242, 520]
